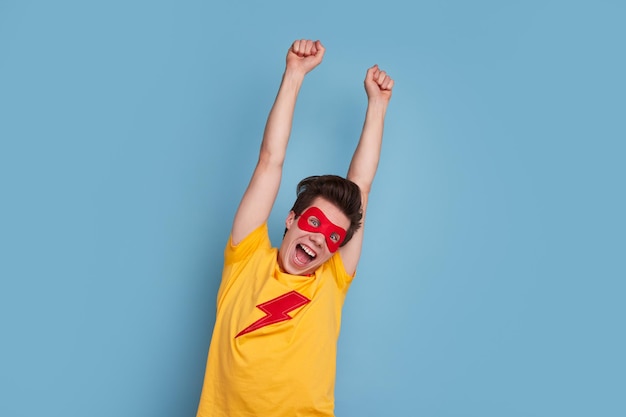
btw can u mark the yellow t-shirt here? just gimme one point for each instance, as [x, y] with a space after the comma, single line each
[274, 344]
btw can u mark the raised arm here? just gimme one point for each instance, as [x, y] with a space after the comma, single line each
[256, 203]
[378, 86]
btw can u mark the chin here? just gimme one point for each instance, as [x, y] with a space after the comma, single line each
[292, 269]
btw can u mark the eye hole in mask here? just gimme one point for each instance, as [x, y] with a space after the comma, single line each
[314, 220]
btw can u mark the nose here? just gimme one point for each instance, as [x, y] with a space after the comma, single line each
[318, 239]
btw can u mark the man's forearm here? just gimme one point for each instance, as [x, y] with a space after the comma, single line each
[280, 119]
[367, 154]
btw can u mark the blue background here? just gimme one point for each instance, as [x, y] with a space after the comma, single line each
[492, 277]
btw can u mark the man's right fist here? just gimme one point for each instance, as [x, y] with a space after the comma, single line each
[304, 55]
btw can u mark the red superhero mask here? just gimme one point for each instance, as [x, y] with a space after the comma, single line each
[314, 220]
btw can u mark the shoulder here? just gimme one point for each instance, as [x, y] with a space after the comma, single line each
[257, 240]
[336, 268]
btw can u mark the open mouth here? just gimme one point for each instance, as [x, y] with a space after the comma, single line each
[304, 254]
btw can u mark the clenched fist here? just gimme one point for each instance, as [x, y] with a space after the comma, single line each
[378, 84]
[304, 55]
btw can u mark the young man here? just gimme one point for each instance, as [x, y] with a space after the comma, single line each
[274, 343]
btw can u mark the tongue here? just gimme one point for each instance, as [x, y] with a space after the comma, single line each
[302, 256]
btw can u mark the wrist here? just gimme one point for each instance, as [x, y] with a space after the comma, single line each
[294, 74]
[378, 103]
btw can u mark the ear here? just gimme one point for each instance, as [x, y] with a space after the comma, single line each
[290, 219]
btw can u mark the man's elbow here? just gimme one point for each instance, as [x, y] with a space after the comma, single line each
[270, 160]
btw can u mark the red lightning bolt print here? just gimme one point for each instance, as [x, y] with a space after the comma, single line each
[276, 310]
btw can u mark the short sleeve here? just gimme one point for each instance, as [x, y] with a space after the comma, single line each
[339, 271]
[257, 239]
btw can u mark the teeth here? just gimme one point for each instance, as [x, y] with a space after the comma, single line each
[308, 251]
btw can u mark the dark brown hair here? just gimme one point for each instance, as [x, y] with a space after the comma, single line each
[343, 193]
